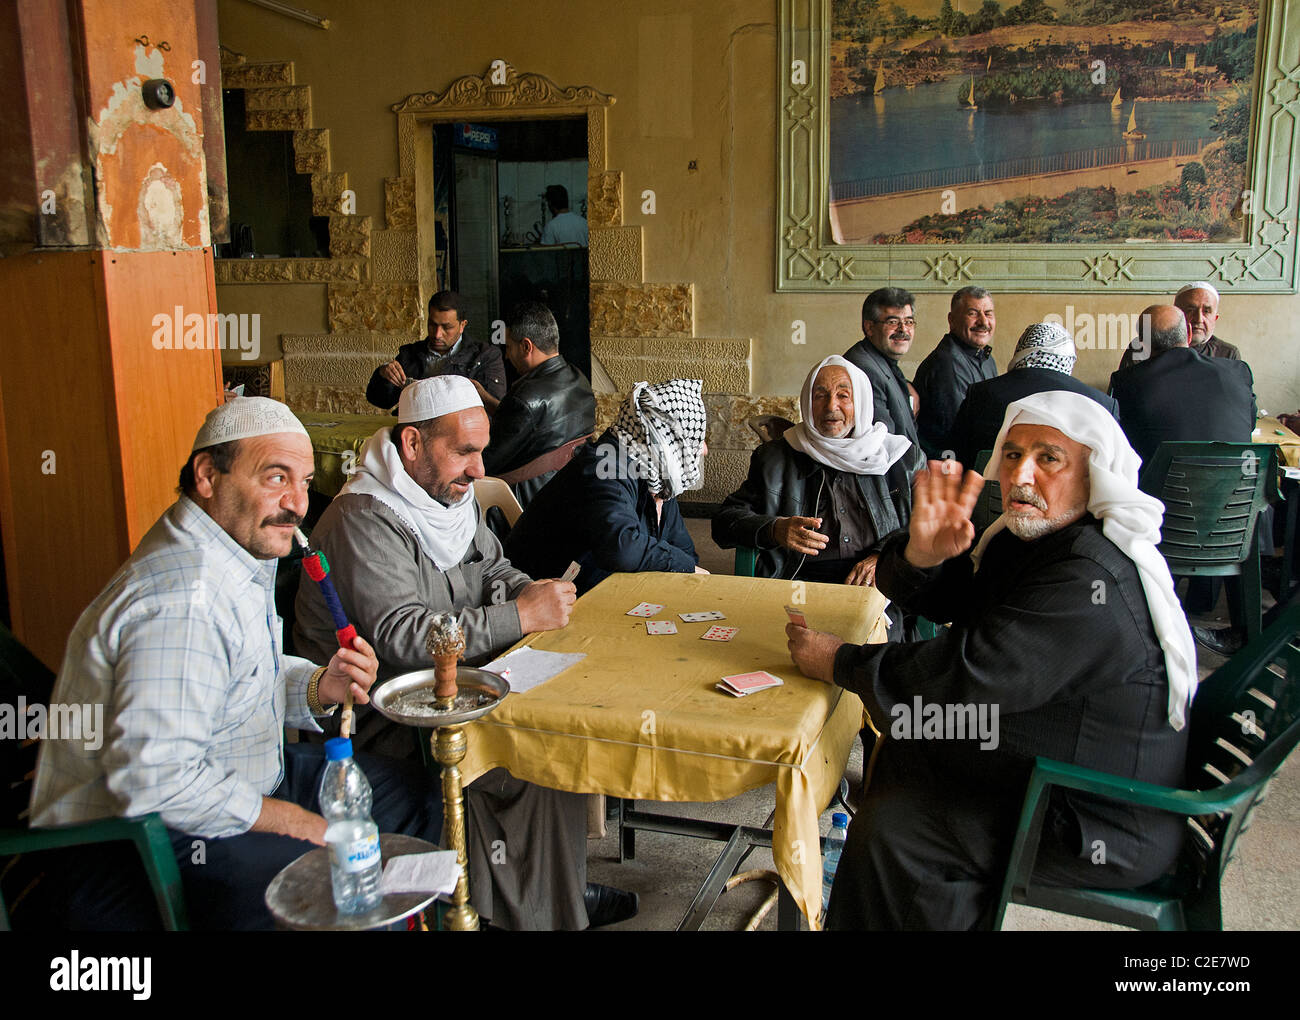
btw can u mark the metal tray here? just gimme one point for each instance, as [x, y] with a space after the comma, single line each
[479, 692]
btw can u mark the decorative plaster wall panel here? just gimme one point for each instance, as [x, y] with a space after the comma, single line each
[399, 203]
[382, 306]
[395, 256]
[327, 193]
[243, 75]
[649, 309]
[605, 199]
[615, 254]
[349, 237]
[311, 151]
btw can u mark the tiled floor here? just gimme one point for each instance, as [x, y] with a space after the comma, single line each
[1261, 887]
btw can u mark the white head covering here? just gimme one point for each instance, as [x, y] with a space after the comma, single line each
[433, 397]
[1198, 285]
[867, 449]
[661, 429]
[443, 532]
[246, 418]
[1044, 345]
[1129, 518]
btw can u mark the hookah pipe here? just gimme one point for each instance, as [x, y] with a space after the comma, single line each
[318, 569]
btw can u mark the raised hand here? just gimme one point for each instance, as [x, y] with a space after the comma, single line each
[942, 502]
[392, 371]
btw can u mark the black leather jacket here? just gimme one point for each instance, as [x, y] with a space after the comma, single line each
[469, 358]
[783, 482]
[543, 410]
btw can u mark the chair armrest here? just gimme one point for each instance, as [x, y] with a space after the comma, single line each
[1048, 773]
[104, 830]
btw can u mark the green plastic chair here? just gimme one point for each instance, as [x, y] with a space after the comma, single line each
[1245, 720]
[989, 506]
[1213, 495]
[746, 560]
[22, 674]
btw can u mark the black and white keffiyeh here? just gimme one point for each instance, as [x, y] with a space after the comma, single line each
[1044, 345]
[661, 429]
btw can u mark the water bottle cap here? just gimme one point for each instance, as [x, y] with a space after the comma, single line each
[338, 748]
[839, 818]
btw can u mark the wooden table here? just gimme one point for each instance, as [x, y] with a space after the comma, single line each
[640, 716]
[336, 441]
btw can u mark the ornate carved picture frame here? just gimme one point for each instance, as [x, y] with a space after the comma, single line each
[808, 259]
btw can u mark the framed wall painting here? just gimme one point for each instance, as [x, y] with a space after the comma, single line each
[1043, 146]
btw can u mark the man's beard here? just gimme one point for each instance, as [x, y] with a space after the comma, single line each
[1030, 528]
[827, 427]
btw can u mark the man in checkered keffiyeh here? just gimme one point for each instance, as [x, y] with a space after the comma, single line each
[661, 428]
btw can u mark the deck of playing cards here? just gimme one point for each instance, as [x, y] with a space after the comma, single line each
[796, 616]
[747, 683]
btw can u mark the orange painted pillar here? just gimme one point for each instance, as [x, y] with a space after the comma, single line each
[107, 359]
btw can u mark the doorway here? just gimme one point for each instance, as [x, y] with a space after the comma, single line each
[497, 186]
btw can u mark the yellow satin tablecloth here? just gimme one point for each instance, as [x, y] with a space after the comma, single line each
[640, 717]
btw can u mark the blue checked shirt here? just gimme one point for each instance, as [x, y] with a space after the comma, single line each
[182, 648]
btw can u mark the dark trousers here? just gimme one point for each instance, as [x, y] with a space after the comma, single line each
[104, 888]
[923, 855]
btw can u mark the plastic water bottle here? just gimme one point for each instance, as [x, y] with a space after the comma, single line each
[352, 838]
[831, 855]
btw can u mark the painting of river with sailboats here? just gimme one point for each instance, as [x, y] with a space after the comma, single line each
[1044, 121]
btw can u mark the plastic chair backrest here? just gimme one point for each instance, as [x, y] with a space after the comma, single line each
[1213, 493]
[492, 492]
[989, 507]
[551, 460]
[746, 560]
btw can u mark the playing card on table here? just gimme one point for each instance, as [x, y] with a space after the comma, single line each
[747, 683]
[660, 627]
[796, 616]
[645, 609]
[571, 573]
[719, 633]
[711, 614]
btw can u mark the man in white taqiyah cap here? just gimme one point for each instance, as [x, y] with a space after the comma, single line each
[185, 645]
[1065, 642]
[406, 542]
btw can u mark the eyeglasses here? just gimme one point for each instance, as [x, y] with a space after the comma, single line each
[893, 322]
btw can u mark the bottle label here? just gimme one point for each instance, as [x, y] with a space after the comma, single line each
[359, 855]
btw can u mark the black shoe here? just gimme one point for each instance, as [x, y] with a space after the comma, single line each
[1225, 641]
[607, 905]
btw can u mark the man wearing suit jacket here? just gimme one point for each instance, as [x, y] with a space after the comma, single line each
[888, 327]
[1043, 360]
[1199, 303]
[1180, 395]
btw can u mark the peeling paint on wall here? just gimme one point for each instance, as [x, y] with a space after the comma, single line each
[126, 133]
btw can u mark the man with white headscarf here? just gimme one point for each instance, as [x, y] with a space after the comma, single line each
[1199, 303]
[183, 649]
[613, 508]
[1043, 360]
[406, 541]
[820, 499]
[1067, 641]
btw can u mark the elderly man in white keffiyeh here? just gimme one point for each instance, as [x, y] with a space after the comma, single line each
[821, 499]
[613, 508]
[1066, 641]
[1043, 360]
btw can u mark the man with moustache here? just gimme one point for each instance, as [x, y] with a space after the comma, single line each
[1199, 303]
[184, 645]
[888, 326]
[820, 499]
[1065, 629]
[962, 358]
[406, 542]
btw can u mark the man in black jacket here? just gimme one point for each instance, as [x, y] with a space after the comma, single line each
[962, 358]
[820, 500]
[550, 403]
[1043, 360]
[1067, 641]
[445, 351]
[1199, 303]
[613, 508]
[1180, 395]
[888, 326]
